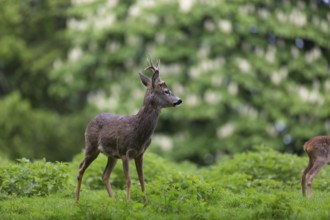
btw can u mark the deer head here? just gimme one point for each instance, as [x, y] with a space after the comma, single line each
[157, 91]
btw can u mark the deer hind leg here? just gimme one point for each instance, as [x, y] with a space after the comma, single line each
[89, 158]
[106, 175]
[303, 177]
[127, 175]
[139, 169]
[317, 165]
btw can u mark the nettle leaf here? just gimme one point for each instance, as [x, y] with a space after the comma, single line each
[33, 178]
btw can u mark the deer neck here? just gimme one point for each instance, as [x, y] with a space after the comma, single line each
[147, 118]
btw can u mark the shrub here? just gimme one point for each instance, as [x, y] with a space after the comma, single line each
[36, 178]
[264, 163]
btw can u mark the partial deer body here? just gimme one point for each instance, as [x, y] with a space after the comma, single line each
[318, 151]
[127, 137]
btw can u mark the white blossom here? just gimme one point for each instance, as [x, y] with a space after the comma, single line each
[244, 65]
[186, 5]
[226, 130]
[75, 54]
[225, 26]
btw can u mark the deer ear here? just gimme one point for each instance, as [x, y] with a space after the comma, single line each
[145, 80]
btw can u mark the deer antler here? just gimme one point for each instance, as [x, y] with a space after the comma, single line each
[150, 66]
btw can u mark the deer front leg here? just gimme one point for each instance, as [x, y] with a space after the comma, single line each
[106, 175]
[139, 169]
[127, 175]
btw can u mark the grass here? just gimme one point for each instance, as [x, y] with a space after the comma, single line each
[95, 204]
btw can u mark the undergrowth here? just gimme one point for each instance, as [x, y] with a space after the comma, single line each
[262, 184]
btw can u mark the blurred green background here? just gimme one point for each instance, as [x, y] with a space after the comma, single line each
[248, 72]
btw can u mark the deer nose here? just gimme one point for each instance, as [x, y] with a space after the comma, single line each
[178, 102]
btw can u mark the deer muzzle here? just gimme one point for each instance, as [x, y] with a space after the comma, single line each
[178, 102]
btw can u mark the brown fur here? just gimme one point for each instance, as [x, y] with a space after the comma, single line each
[126, 137]
[318, 151]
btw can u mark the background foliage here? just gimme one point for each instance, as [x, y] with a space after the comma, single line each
[249, 72]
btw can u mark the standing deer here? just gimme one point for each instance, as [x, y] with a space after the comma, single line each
[127, 137]
[318, 151]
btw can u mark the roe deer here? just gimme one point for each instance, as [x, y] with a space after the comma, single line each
[318, 151]
[127, 137]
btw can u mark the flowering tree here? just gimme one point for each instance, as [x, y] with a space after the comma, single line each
[248, 72]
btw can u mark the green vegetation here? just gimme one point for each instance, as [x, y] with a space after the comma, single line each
[254, 71]
[249, 73]
[39, 178]
[262, 184]
[38, 133]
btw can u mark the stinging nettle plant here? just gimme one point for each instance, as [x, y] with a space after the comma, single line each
[127, 137]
